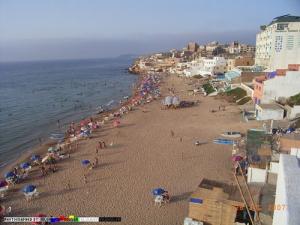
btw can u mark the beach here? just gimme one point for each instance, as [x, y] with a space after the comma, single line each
[151, 148]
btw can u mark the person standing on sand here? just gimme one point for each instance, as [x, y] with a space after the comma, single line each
[84, 179]
[16, 172]
[99, 145]
[103, 143]
[172, 133]
[68, 185]
[43, 170]
[96, 161]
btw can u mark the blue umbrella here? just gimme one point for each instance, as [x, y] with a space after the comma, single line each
[35, 157]
[29, 188]
[9, 175]
[85, 162]
[25, 165]
[158, 191]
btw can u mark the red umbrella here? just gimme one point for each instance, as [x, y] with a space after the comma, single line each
[236, 158]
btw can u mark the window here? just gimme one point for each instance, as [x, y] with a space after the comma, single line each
[278, 43]
[282, 26]
[290, 42]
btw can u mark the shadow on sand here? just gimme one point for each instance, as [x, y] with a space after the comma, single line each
[181, 197]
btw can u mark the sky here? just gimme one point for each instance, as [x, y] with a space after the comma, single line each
[69, 29]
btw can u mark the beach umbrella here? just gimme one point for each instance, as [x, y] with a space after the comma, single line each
[29, 188]
[85, 162]
[3, 183]
[236, 158]
[35, 157]
[158, 191]
[25, 166]
[9, 175]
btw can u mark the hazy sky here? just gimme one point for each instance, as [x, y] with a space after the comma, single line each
[53, 29]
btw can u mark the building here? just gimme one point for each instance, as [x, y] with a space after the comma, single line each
[193, 47]
[206, 66]
[287, 199]
[234, 48]
[269, 112]
[194, 68]
[278, 44]
[271, 89]
[292, 112]
[241, 49]
[239, 61]
[289, 143]
[218, 203]
[215, 65]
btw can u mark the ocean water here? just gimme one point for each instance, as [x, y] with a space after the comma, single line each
[35, 95]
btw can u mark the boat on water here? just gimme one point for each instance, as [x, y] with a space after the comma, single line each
[232, 134]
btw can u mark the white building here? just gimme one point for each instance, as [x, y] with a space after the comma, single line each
[287, 199]
[194, 68]
[278, 44]
[292, 112]
[214, 66]
[234, 48]
[281, 86]
[206, 67]
[269, 112]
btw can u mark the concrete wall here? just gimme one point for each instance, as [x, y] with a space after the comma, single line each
[295, 152]
[256, 175]
[258, 91]
[269, 114]
[274, 167]
[287, 197]
[295, 111]
[281, 86]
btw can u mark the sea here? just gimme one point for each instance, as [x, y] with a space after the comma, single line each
[38, 98]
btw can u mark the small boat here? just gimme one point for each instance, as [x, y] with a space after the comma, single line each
[232, 134]
[224, 141]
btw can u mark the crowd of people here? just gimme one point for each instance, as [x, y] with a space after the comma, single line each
[147, 91]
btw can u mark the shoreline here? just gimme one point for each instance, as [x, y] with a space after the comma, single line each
[144, 156]
[42, 147]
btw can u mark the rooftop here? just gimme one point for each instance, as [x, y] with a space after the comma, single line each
[285, 19]
[217, 190]
[269, 106]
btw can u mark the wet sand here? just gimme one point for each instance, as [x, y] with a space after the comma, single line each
[144, 156]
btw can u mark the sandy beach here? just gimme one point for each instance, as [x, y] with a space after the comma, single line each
[144, 155]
